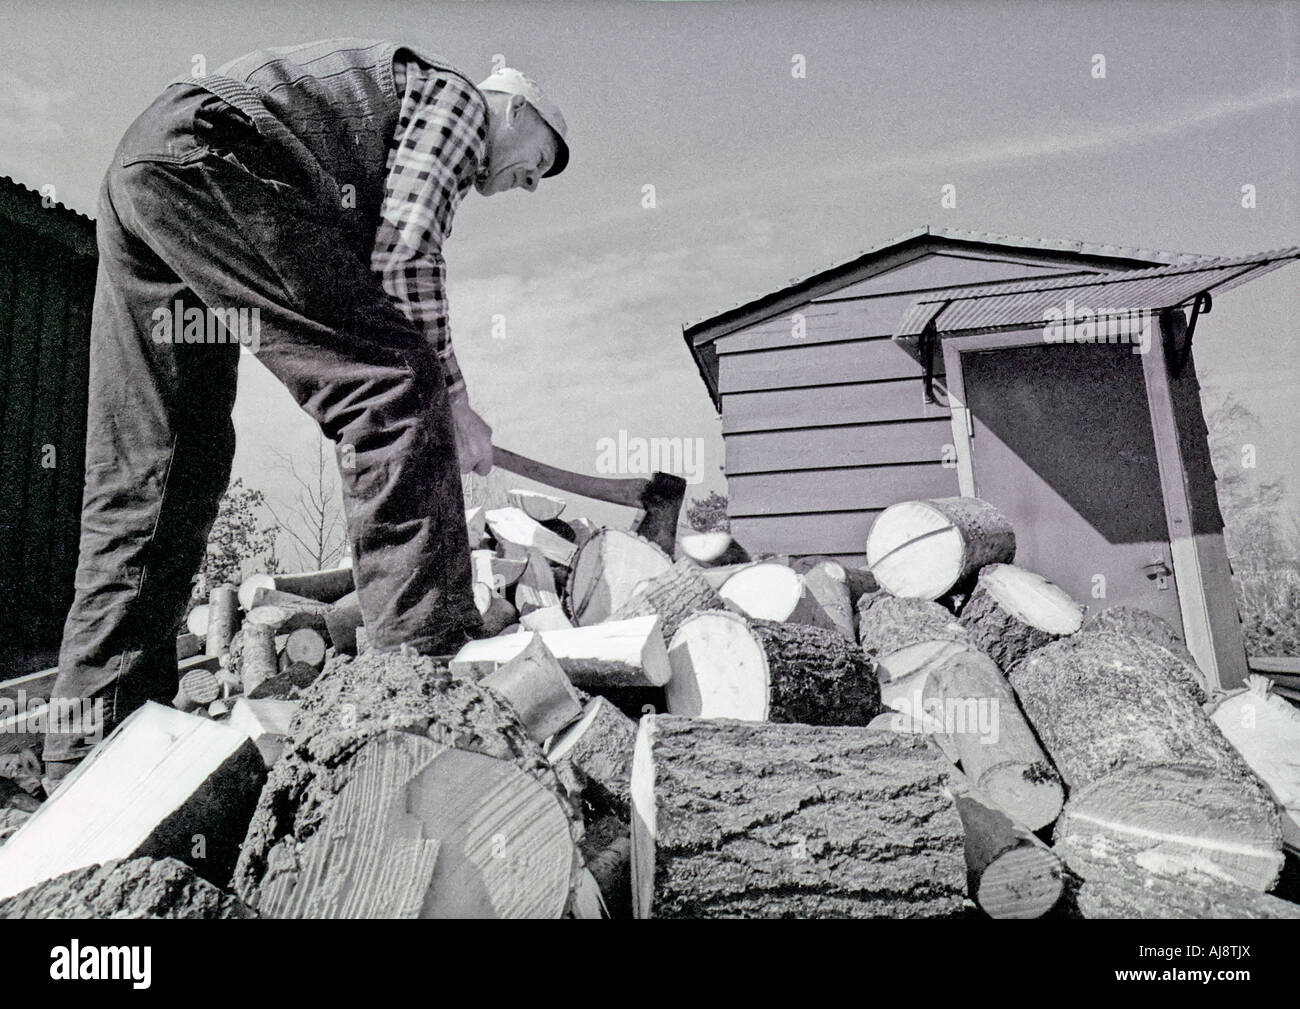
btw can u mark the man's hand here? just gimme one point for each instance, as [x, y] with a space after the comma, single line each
[473, 436]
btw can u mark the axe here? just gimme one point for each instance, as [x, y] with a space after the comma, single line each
[659, 496]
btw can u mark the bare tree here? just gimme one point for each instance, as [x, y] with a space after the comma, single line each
[314, 524]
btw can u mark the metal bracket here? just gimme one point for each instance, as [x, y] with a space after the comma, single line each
[1178, 356]
[929, 337]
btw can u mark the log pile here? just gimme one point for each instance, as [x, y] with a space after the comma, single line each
[701, 732]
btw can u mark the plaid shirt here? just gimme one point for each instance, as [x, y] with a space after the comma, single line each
[440, 142]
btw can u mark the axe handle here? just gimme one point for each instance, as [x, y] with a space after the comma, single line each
[628, 491]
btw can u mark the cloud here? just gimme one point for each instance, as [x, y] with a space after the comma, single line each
[29, 107]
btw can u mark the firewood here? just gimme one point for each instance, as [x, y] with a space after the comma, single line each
[623, 653]
[583, 530]
[1131, 620]
[745, 819]
[512, 525]
[536, 687]
[328, 586]
[153, 888]
[1265, 730]
[498, 573]
[769, 591]
[425, 786]
[298, 611]
[223, 602]
[606, 572]
[610, 864]
[982, 724]
[726, 667]
[1012, 874]
[676, 594]
[1013, 611]
[188, 645]
[161, 778]
[209, 662]
[249, 586]
[599, 746]
[925, 549]
[497, 612]
[198, 688]
[535, 588]
[260, 661]
[1187, 896]
[711, 549]
[548, 618]
[1150, 776]
[197, 622]
[539, 507]
[828, 581]
[302, 656]
[265, 722]
[342, 621]
[475, 526]
[906, 639]
[218, 709]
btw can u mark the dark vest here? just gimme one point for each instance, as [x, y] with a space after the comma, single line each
[332, 108]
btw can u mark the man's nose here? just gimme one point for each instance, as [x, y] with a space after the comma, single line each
[530, 181]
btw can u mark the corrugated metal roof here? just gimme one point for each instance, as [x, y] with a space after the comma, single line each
[1028, 302]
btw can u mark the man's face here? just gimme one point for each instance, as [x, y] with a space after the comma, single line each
[520, 149]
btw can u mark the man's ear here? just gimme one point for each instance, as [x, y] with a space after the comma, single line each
[515, 107]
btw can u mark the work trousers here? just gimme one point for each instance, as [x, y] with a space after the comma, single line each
[198, 211]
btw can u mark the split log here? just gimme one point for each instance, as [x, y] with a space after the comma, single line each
[1184, 897]
[623, 653]
[158, 780]
[137, 888]
[297, 611]
[249, 586]
[1150, 775]
[1011, 873]
[744, 819]
[1265, 730]
[768, 591]
[265, 722]
[1131, 620]
[189, 645]
[536, 687]
[828, 582]
[726, 667]
[583, 530]
[599, 747]
[511, 525]
[195, 662]
[327, 586]
[476, 526]
[539, 507]
[674, 595]
[535, 587]
[548, 618]
[497, 572]
[342, 621]
[423, 783]
[906, 639]
[978, 716]
[496, 611]
[223, 602]
[711, 549]
[197, 622]
[925, 549]
[1013, 611]
[607, 570]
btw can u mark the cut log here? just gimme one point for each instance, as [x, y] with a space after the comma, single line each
[498, 573]
[1265, 730]
[925, 549]
[535, 588]
[769, 591]
[297, 611]
[259, 666]
[138, 888]
[209, 662]
[607, 850]
[327, 586]
[476, 526]
[306, 647]
[828, 582]
[711, 549]
[1013, 611]
[223, 612]
[265, 722]
[1184, 897]
[511, 525]
[160, 779]
[198, 688]
[548, 618]
[978, 715]
[249, 586]
[539, 507]
[606, 572]
[599, 746]
[497, 612]
[1011, 873]
[676, 594]
[906, 638]
[1131, 620]
[719, 576]
[726, 667]
[188, 645]
[623, 653]
[583, 530]
[744, 819]
[341, 623]
[197, 622]
[426, 786]
[536, 687]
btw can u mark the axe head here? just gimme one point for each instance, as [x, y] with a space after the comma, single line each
[661, 500]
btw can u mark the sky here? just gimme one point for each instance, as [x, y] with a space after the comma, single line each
[758, 175]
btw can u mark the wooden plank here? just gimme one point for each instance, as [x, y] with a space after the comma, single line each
[804, 493]
[849, 320]
[940, 270]
[1285, 665]
[849, 445]
[36, 684]
[855, 403]
[825, 364]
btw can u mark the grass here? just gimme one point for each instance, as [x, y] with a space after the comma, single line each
[1269, 603]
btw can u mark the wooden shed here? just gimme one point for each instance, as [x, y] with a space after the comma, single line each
[1053, 378]
[47, 287]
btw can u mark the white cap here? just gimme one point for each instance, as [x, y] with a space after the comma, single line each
[511, 82]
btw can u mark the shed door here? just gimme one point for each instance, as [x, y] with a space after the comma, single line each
[1062, 445]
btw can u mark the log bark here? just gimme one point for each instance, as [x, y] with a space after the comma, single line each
[297, 611]
[1013, 611]
[740, 819]
[906, 639]
[926, 549]
[536, 688]
[223, 612]
[981, 722]
[606, 571]
[137, 888]
[1131, 620]
[328, 586]
[1153, 897]
[341, 623]
[599, 747]
[726, 667]
[674, 595]
[380, 746]
[770, 591]
[188, 645]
